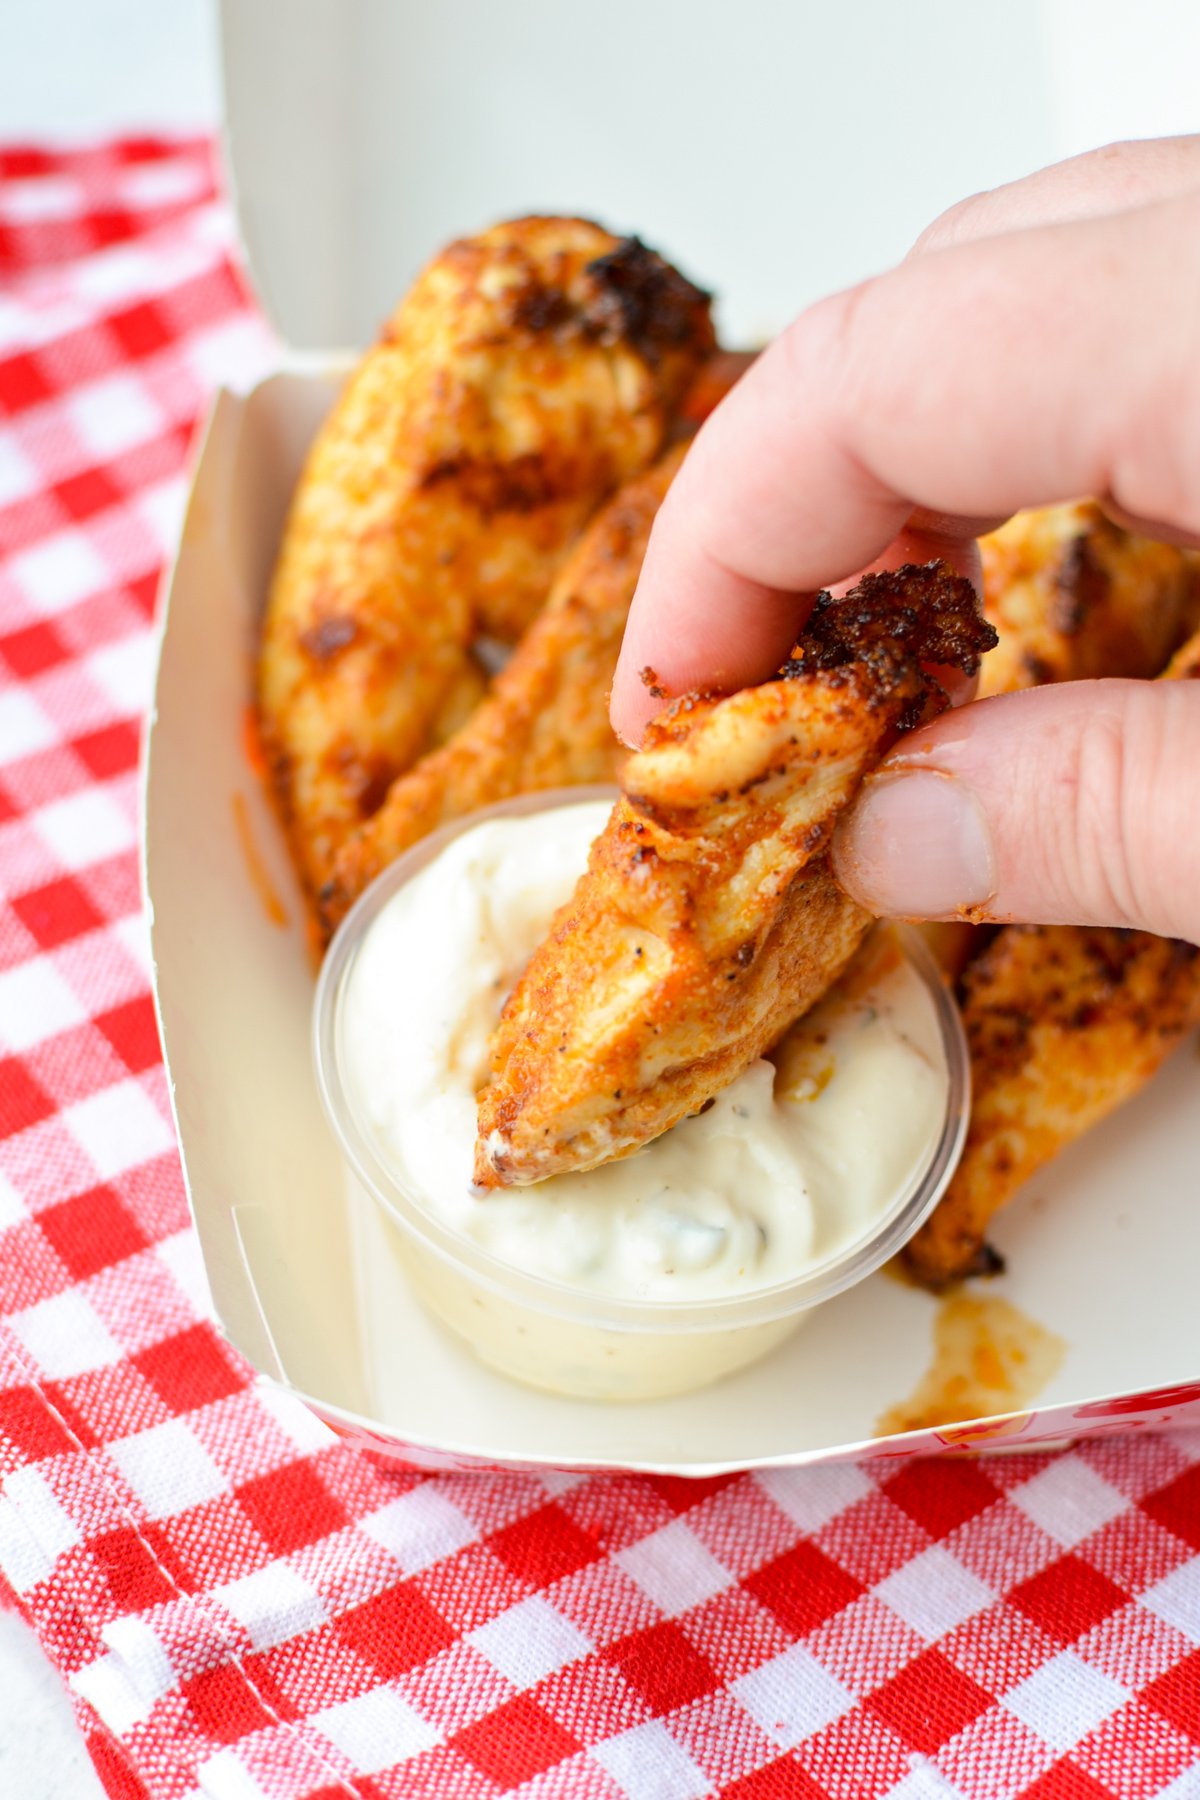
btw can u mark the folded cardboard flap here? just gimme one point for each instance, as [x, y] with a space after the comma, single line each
[234, 988]
[776, 152]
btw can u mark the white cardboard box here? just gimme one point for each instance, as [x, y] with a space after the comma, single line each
[361, 141]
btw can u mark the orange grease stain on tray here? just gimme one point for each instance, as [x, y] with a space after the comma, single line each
[260, 880]
[988, 1357]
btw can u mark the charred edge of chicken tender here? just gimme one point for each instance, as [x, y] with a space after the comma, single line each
[634, 297]
[708, 919]
[919, 610]
[1064, 1024]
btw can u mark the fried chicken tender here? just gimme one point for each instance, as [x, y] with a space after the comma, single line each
[1064, 1023]
[1074, 596]
[545, 722]
[529, 371]
[708, 918]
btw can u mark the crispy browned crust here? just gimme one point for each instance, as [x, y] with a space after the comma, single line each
[545, 722]
[890, 621]
[528, 372]
[1074, 597]
[709, 918]
[1064, 1023]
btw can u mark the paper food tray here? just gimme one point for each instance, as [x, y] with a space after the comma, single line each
[1102, 1248]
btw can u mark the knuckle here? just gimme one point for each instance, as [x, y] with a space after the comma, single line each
[1120, 769]
[1097, 849]
[1121, 171]
[823, 337]
[850, 372]
[826, 355]
[1152, 469]
[950, 228]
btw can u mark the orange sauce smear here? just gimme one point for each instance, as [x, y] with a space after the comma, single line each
[988, 1357]
[252, 744]
[260, 879]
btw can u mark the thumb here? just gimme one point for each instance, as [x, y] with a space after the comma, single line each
[1077, 804]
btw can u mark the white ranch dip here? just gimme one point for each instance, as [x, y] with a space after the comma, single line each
[786, 1169]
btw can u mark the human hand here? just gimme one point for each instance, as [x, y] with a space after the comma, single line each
[1041, 343]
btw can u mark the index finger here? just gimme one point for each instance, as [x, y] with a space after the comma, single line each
[1018, 370]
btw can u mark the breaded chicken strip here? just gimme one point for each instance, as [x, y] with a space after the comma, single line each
[529, 371]
[1064, 1022]
[545, 722]
[1074, 596]
[708, 918]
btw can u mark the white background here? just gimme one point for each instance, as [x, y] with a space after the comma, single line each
[74, 69]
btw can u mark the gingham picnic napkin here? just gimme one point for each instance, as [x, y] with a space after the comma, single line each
[244, 1607]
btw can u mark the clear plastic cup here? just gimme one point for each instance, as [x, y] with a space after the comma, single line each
[547, 1333]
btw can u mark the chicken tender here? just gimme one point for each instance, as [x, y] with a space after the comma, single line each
[1074, 596]
[545, 722]
[1063, 1022]
[529, 371]
[708, 918]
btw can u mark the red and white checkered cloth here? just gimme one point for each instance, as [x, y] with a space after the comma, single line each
[245, 1608]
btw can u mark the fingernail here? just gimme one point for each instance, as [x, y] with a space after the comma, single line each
[916, 845]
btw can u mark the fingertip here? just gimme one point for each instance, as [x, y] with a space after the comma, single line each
[1065, 804]
[916, 845]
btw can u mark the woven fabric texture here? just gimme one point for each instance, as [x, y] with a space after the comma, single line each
[243, 1606]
